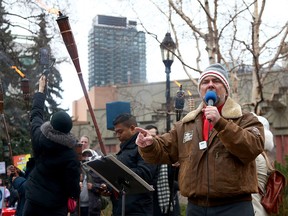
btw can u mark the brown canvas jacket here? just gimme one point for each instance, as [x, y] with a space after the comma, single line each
[234, 143]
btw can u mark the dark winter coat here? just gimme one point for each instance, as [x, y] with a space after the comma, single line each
[56, 174]
[138, 204]
[19, 185]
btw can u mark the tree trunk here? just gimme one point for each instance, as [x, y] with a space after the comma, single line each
[255, 96]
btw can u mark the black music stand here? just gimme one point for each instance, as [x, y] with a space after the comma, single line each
[119, 177]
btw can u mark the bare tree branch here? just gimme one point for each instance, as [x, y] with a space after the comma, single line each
[276, 56]
[186, 19]
[22, 17]
[178, 56]
[275, 36]
[198, 58]
[205, 9]
[178, 50]
[22, 27]
[262, 9]
[233, 18]
[245, 44]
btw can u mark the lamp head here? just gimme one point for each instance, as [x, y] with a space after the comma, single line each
[167, 48]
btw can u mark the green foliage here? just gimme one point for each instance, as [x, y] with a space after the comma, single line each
[283, 168]
[183, 209]
[25, 56]
[107, 210]
[12, 113]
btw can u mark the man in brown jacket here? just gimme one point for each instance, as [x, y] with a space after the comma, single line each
[216, 146]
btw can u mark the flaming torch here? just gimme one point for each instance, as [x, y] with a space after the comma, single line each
[24, 85]
[4, 121]
[179, 102]
[69, 41]
[18, 71]
[25, 90]
[24, 81]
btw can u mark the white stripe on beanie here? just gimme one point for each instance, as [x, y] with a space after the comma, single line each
[218, 71]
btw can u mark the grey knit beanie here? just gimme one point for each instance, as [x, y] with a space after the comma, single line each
[216, 70]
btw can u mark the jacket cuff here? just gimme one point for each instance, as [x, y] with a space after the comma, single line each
[39, 99]
[221, 124]
[147, 148]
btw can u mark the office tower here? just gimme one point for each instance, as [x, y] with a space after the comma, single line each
[117, 52]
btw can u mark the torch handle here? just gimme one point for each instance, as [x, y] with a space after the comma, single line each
[7, 137]
[179, 102]
[1, 98]
[69, 41]
[4, 121]
[92, 113]
[191, 104]
[25, 89]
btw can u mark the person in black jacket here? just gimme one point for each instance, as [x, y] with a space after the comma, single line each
[18, 183]
[136, 204]
[55, 177]
[165, 196]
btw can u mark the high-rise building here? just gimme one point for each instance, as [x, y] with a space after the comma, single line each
[116, 52]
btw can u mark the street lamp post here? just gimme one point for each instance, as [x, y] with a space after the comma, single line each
[167, 51]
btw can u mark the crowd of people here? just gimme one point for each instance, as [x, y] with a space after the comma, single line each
[210, 157]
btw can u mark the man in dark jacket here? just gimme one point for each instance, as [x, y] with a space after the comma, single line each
[138, 204]
[165, 197]
[56, 174]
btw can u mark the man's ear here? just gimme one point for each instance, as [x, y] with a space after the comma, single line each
[132, 127]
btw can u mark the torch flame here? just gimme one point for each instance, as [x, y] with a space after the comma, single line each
[50, 10]
[18, 71]
[54, 11]
[177, 83]
[189, 93]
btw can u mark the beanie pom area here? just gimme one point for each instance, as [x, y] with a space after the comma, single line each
[61, 121]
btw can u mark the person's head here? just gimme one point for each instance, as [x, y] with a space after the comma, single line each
[61, 121]
[89, 154]
[84, 140]
[10, 170]
[13, 170]
[269, 143]
[214, 78]
[153, 130]
[124, 126]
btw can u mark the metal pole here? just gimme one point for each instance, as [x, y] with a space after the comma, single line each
[168, 101]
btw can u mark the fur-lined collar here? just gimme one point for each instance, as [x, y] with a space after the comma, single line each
[230, 110]
[68, 140]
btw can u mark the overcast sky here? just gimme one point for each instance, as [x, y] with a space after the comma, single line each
[86, 10]
[147, 15]
[141, 11]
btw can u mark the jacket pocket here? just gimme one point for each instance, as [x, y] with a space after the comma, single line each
[184, 178]
[227, 173]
